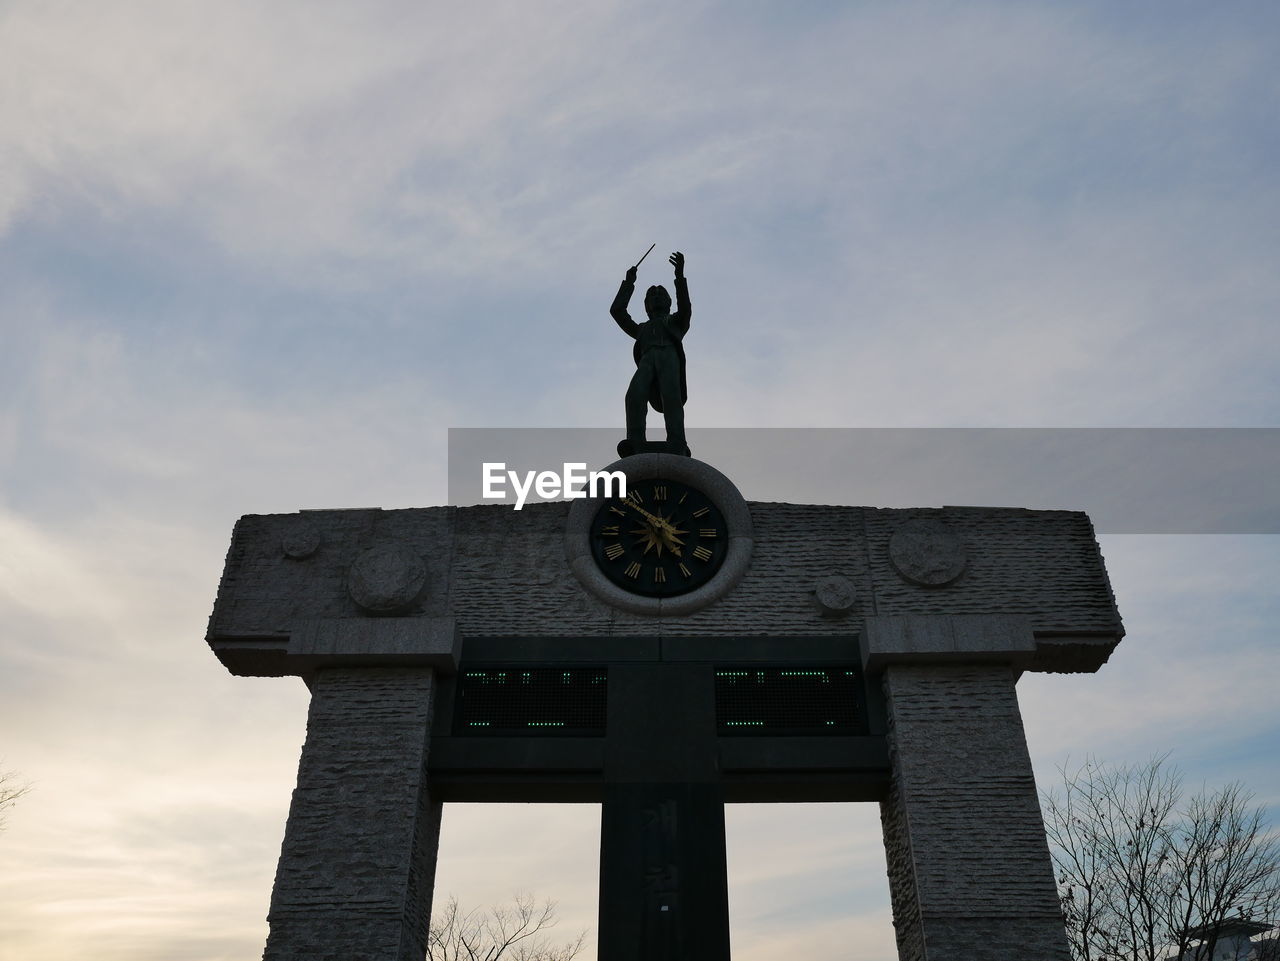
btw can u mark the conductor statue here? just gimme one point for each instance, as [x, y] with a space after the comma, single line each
[659, 354]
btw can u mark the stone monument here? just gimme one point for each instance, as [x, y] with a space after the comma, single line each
[662, 654]
[813, 653]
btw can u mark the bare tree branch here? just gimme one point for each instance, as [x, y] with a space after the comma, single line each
[512, 931]
[10, 791]
[1145, 875]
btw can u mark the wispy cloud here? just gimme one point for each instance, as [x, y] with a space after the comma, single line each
[259, 258]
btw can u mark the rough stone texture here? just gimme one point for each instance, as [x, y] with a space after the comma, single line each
[834, 595]
[499, 572]
[926, 553]
[358, 861]
[969, 870]
[301, 542]
[968, 863]
[387, 579]
[1042, 563]
[942, 639]
[325, 642]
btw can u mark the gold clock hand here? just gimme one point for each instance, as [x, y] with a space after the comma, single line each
[652, 518]
[663, 530]
[661, 523]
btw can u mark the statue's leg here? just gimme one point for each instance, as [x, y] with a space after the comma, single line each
[637, 402]
[672, 404]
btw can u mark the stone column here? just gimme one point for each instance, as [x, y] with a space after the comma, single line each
[969, 870]
[664, 893]
[358, 861]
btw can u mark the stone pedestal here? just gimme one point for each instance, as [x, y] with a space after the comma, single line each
[358, 860]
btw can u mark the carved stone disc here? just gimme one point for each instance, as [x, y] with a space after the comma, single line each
[387, 579]
[301, 542]
[834, 595]
[924, 552]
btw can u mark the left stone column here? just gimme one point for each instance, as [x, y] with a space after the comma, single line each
[357, 865]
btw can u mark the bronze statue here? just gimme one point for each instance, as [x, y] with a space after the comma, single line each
[659, 354]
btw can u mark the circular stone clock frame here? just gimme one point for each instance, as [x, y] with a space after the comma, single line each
[718, 490]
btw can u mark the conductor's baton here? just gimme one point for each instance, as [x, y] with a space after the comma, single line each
[646, 253]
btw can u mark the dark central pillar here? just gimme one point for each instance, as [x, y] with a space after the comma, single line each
[663, 875]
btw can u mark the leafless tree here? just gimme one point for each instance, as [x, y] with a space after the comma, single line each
[1140, 865]
[10, 791]
[512, 931]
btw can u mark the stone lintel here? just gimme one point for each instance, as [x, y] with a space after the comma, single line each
[327, 642]
[792, 569]
[981, 638]
[948, 639]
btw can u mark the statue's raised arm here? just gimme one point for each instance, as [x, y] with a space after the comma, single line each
[684, 310]
[618, 311]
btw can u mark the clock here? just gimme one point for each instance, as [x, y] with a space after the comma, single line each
[665, 538]
[678, 540]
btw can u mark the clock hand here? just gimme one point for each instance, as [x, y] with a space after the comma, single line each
[661, 531]
[661, 523]
[651, 518]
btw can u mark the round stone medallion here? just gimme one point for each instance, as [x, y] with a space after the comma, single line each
[387, 579]
[924, 552]
[301, 542]
[834, 595]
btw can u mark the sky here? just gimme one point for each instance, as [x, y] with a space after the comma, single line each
[256, 258]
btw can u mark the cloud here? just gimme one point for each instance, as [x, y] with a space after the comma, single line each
[1038, 221]
[258, 258]
[403, 132]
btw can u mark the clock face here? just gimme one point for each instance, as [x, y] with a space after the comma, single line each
[663, 539]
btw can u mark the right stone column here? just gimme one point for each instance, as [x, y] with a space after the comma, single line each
[969, 870]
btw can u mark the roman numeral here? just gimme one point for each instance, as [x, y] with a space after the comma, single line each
[659, 576]
[707, 532]
[660, 492]
[619, 511]
[701, 511]
[702, 554]
[634, 570]
[685, 571]
[613, 551]
[610, 530]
